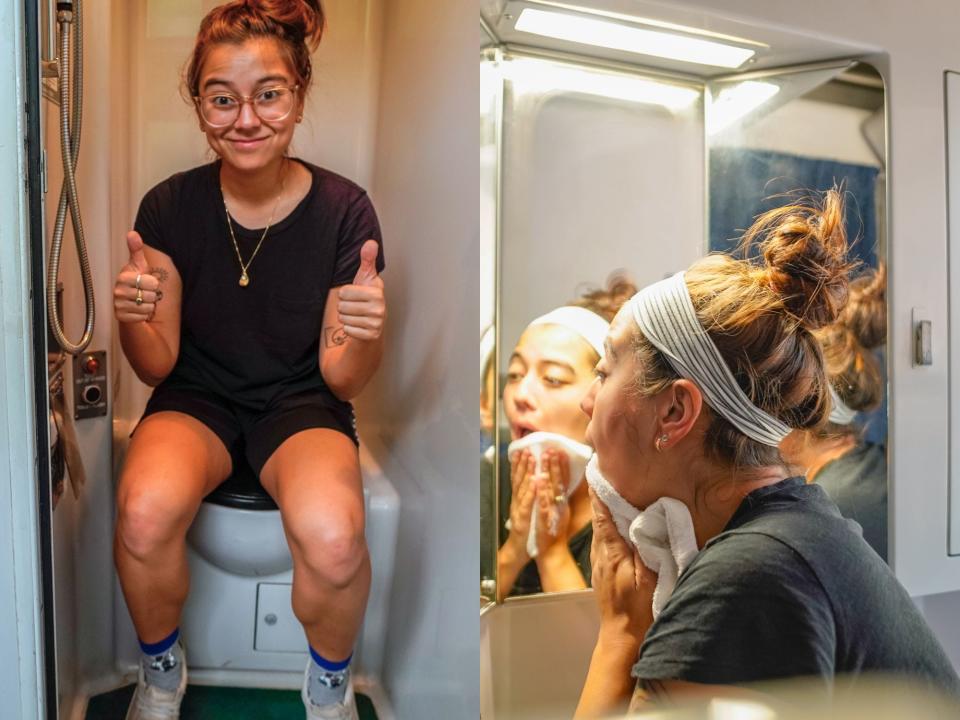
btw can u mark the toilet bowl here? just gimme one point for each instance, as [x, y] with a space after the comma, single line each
[238, 529]
[238, 617]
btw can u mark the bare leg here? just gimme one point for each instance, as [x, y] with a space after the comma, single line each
[174, 460]
[314, 476]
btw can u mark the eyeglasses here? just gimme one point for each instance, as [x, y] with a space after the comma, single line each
[271, 104]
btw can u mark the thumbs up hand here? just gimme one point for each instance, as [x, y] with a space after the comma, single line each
[361, 306]
[135, 292]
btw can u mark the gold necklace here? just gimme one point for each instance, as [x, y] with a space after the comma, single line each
[244, 277]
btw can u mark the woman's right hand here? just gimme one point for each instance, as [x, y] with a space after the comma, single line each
[125, 292]
[623, 585]
[523, 483]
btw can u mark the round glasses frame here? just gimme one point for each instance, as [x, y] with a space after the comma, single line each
[243, 100]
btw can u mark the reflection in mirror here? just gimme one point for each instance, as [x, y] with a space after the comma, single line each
[770, 138]
[592, 160]
[614, 172]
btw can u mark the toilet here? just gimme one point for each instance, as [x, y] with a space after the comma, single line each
[238, 624]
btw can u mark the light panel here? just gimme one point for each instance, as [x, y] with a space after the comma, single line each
[735, 102]
[630, 38]
[539, 76]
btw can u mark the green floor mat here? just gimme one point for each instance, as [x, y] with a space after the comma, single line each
[221, 703]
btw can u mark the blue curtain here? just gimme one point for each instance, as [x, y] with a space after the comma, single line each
[744, 183]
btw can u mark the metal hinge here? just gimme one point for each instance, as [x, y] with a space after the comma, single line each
[43, 171]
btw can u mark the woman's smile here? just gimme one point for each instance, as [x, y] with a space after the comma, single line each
[247, 143]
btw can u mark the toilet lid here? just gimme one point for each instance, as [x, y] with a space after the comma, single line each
[242, 490]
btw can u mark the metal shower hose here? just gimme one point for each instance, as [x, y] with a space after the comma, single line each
[70, 119]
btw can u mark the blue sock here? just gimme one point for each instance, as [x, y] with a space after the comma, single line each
[327, 679]
[159, 648]
[160, 659]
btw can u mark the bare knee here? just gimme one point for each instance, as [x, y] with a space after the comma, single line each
[330, 545]
[149, 524]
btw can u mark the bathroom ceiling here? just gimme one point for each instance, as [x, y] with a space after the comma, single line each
[773, 46]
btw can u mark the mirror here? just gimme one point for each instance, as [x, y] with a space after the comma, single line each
[613, 176]
[490, 112]
[769, 135]
[591, 159]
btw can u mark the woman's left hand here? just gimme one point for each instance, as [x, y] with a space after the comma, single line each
[553, 509]
[362, 308]
[623, 584]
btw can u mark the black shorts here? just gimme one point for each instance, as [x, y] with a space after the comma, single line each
[254, 436]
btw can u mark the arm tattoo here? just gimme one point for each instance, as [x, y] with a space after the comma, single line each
[334, 336]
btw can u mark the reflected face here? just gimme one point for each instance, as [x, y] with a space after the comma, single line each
[250, 143]
[550, 371]
[621, 422]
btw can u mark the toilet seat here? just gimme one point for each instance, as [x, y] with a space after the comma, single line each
[242, 490]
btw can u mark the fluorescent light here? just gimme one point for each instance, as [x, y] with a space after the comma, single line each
[735, 102]
[540, 76]
[617, 36]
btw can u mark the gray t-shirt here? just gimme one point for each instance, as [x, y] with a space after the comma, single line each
[790, 588]
[857, 483]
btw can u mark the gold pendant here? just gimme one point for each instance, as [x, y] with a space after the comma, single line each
[244, 280]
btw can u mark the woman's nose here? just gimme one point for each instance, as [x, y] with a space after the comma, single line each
[525, 391]
[247, 117]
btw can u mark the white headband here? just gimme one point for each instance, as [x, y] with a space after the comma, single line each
[665, 314]
[585, 323]
[840, 413]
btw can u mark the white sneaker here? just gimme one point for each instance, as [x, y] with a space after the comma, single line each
[152, 703]
[345, 710]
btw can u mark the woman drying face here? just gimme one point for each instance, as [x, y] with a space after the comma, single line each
[711, 565]
[551, 369]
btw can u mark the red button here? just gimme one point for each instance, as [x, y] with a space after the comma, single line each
[91, 366]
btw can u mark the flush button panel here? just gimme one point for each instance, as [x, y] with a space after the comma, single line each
[277, 628]
[90, 384]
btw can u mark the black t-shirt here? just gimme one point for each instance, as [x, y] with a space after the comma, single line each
[857, 483]
[789, 589]
[254, 345]
[528, 582]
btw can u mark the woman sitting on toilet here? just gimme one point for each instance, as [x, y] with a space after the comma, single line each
[759, 577]
[545, 510]
[252, 302]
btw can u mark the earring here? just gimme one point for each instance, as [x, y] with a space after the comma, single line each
[660, 442]
[299, 118]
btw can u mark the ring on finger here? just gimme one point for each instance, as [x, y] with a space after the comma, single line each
[560, 499]
[139, 300]
[137, 281]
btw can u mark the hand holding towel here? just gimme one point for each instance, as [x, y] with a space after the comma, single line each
[577, 456]
[662, 534]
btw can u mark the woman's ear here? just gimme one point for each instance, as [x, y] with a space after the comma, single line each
[679, 408]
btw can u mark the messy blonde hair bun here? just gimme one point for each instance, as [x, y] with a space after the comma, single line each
[606, 302]
[853, 369]
[760, 313]
[804, 248]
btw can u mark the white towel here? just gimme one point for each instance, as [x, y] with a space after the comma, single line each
[577, 455]
[663, 533]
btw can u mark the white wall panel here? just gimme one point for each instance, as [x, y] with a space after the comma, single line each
[426, 186]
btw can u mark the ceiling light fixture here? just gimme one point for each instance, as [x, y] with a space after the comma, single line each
[542, 76]
[630, 38]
